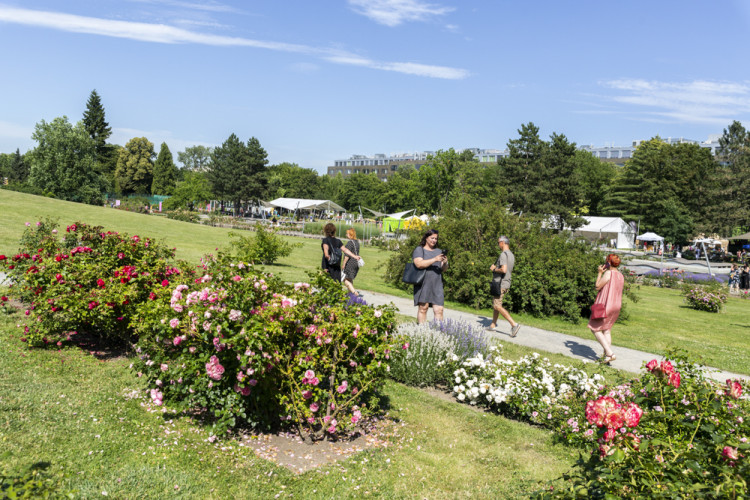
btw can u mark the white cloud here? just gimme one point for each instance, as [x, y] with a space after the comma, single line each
[696, 102]
[394, 12]
[207, 6]
[160, 33]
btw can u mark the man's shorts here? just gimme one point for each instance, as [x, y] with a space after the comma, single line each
[497, 301]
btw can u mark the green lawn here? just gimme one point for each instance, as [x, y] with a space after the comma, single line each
[81, 415]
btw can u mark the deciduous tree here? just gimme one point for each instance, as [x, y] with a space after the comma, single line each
[195, 158]
[135, 167]
[64, 162]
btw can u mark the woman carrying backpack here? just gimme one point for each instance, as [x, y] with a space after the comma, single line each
[333, 250]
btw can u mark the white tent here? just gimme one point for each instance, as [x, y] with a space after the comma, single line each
[611, 229]
[650, 237]
[304, 204]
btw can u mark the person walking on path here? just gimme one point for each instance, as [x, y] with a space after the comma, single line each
[351, 264]
[331, 246]
[609, 284]
[501, 276]
[430, 291]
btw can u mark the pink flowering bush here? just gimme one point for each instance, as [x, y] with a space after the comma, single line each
[84, 280]
[671, 434]
[249, 349]
[705, 298]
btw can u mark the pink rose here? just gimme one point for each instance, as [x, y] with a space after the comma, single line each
[307, 394]
[652, 365]
[164, 367]
[214, 368]
[730, 453]
[177, 340]
[314, 407]
[174, 323]
[157, 397]
[342, 388]
[666, 367]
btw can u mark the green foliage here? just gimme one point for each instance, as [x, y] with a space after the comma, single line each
[691, 440]
[135, 167]
[265, 248]
[84, 281]
[552, 276]
[34, 483]
[289, 180]
[165, 172]
[183, 215]
[664, 186]
[195, 158]
[542, 178]
[595, 177]
[238, 171]
[252, 350]
[14, 168]
[64, 162]
[94, 121]
[193, 191]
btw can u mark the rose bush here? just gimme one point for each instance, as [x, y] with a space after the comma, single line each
[705, 298]
[249, 349]
[84, 280]
[672, 434]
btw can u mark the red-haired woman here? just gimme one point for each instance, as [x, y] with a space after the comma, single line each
[609, 284]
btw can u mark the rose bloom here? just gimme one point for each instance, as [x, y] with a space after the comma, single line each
[214, 368]
[632, 414]
[597, 410]
[666, 367]
[614, 419]
[174, 323]
[674, 379]
[735, 388]
[652, 365]
[307, 394]
[314, 407]
[730, 453]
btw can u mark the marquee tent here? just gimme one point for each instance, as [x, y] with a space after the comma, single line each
[609, 229]
[650, 237]
[304, 204]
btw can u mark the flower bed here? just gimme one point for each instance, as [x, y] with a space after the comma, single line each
[671, 434]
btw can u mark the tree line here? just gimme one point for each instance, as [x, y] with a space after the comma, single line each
[676, 190]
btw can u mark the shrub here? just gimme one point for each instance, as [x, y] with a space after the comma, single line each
[84, 280]
[672, 434]
[433, 348]
[251, 350]
[265, 248]
[183, 215]
[553, 275]
[705, 298]
[138, 204]
[530, 388]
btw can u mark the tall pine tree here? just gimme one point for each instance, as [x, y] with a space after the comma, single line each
[95, 123]
[165, 172]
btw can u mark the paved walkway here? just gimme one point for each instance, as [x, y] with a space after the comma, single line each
[586, 350]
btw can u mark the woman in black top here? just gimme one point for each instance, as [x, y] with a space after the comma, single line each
[329, 243]
[745, 278]
[351, 265]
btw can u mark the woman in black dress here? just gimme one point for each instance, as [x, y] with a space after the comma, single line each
[351, 264]
[745, 278]
[430, 292]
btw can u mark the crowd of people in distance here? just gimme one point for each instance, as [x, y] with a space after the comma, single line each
[739, 278]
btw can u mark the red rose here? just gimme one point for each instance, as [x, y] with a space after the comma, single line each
[652, 365]
[100, 283]
[165, 283]
[674, 379]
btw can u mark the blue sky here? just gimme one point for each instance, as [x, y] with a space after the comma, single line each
[317, 81]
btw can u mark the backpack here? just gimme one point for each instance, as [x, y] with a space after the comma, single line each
[334, 256]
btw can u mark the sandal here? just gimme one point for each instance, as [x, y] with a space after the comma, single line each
[608, 359]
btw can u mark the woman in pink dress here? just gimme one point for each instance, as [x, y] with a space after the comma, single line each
[609, 284]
